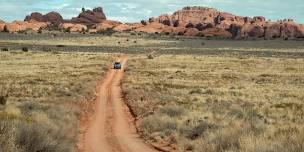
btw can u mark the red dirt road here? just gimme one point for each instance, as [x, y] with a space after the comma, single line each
[111, 127]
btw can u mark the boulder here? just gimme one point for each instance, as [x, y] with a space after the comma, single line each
[192, 32]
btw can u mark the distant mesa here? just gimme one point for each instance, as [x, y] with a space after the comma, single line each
[189, 21]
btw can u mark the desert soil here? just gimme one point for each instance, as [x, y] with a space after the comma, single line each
[111, 127]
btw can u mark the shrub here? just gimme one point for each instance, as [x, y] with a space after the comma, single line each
[150, 56]
[196, 91]
[25, 49]
[46, 49]
[35, 137]
[4, 49]
[60, 45]
[3, 100]
[193, 132]
[107, 32]
[173, 111]
[161, 124]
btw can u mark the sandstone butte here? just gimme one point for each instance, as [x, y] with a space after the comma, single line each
[189, 21]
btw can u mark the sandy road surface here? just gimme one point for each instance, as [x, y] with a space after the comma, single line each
[111, 128]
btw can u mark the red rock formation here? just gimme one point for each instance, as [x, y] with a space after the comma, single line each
[192, 32]
[20, 26]
[122, 27]
[2, 25]
[153, 27]
[273, 30]
[106, 24]
[190, 21]
[210, 21]
[89, 17]
[73, 28]
[52, 17]
[216, 32]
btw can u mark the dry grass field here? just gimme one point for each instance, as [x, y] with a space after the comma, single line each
[218, 103]
[187, 94]
[40, 94]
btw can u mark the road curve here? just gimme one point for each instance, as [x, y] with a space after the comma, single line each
[111, 127]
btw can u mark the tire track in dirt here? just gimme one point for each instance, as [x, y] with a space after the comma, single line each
[111, 127]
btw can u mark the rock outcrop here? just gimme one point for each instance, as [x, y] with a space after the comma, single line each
[21, 26]
[90, 17]
[211, 22]
[189, 21]
[52, 17]
[73, 28]
[106, 24]
[86, 17]
[2, 25]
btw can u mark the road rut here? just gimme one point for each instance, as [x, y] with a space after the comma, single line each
[111, 127]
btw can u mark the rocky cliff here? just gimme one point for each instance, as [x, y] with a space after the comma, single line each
[209, 19]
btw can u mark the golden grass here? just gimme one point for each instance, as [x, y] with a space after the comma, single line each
[120, 40]
[43, 91]
[227, 103]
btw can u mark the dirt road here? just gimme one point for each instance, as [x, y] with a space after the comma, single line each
[111, 128]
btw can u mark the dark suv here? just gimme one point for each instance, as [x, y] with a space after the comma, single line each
[117, 65]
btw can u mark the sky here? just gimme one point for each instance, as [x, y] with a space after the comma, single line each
[136, 10]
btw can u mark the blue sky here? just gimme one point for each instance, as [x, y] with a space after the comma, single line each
[136, 10]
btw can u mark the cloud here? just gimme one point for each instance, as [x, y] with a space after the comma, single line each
[136, 10]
